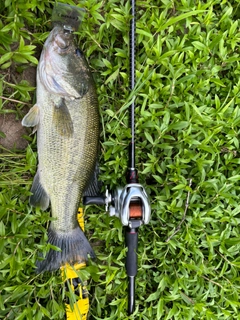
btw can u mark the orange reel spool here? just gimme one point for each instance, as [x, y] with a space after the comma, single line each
[135, 211]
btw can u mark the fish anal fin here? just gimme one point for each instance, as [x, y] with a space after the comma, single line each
[31, 119]
[94, 186]
[39, 197]
[62, 120]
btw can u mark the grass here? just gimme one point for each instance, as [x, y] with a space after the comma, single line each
[187, 126]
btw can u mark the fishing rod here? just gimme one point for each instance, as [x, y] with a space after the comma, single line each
[130, 203]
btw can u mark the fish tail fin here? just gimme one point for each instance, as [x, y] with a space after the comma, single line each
[74, 246]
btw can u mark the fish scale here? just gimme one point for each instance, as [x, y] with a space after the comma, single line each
[67, 118]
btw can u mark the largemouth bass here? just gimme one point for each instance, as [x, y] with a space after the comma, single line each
[66, 118]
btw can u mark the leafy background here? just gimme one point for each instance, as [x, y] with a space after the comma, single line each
[187, 125]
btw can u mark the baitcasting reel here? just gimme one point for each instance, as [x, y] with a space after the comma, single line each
[131, 205]
[128, 203]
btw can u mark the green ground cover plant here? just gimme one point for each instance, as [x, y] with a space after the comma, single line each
[187, 149]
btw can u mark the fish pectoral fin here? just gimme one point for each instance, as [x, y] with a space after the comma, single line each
[39, 197]
[62, 119]
[31, 119]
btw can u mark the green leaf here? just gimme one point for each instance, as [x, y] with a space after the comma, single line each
[217, 81]
[227, 13]
[160, 308]
[199, 45]
[235, 178]
[183, 16]
[153, 296]
[113, 76]
[2, 229]
[149, 137]
[7, 56]
[178, 125]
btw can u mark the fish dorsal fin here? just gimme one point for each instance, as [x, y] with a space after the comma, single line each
[39, 197]
[31, 119]
[62, 120]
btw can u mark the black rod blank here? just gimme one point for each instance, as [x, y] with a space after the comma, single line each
[132, 85]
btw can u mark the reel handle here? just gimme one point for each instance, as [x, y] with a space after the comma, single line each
[98, 200]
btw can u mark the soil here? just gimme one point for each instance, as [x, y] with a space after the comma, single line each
[10, 124]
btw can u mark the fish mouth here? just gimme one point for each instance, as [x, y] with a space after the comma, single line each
[62, 39]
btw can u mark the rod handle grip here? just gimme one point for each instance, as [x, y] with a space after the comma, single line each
[131, 259]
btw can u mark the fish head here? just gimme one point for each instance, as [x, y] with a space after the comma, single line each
[53, 68]
[59, 42]
[61, 69]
